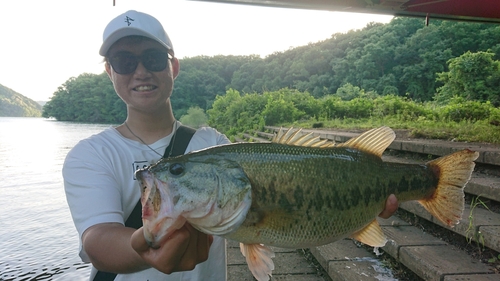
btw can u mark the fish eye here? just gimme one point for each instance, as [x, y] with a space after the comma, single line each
[176, 169]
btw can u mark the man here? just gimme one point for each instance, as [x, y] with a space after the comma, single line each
[99, 171]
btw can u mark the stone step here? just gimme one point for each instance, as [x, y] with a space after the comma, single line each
[478, 224]
[425, 255]
[290, 264]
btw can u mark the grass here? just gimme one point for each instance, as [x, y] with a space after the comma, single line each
[471, 234]
[465, 131]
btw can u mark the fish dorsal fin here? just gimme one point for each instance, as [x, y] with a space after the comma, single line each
[371, 235]
[374, 141]
[298, 138]
[259, 260]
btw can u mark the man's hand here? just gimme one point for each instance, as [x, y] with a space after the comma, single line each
[181, 251]
[391, 205]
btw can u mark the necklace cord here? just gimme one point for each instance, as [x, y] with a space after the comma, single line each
[173, 138]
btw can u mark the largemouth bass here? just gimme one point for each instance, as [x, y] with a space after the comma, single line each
[296, 192]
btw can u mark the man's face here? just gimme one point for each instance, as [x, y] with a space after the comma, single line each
[142, 89]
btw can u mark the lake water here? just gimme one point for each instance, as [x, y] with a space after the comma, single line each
[38, 240]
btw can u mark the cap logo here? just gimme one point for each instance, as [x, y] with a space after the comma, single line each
[128, 20]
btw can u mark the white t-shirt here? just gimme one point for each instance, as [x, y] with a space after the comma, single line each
[100, 187]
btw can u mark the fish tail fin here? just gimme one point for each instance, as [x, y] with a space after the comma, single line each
[259, 260]
[447, 201]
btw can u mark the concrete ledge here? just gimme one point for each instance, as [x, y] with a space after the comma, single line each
[406, 236]
[434, 262]
[289, 265]
[344, 260]
[491, 236]
[485, 187]
[342, 250]
[472, 277]
[424, 254]
[475, 222]
[359, 270]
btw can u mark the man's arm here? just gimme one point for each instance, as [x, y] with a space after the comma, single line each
[108, 247]
[113, 247]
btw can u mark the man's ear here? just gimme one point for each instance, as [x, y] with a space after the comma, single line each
[175, 67]
[107, 66]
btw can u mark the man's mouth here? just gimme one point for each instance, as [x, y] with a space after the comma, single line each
[144, 88]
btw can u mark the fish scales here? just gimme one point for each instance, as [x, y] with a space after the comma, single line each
[303, 196]
[296, 192]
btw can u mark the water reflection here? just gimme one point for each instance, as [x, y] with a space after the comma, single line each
[38, 240]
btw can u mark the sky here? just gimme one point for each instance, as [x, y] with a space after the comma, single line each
[43, 43]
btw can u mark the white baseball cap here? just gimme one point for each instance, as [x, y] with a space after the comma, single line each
[134, 23]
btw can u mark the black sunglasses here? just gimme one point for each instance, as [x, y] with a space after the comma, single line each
[126, 62]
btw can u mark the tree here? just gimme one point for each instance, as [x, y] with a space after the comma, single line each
[473, 76]
[280, 109]
[195, 117]
[86, 98]
[217, 115]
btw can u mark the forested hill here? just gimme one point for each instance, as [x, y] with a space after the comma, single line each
[401, 58]
[13, 104]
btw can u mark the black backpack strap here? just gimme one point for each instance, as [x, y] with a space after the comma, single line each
[181, 140]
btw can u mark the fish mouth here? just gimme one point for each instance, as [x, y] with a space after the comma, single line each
[156, 231]
[159, 218]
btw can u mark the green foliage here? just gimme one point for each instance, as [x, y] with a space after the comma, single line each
[398, 58]
[381, 73]
[233, 113]
[494, 259]
[473, 76]
[202, 78]
[13, 104]
[401, 107]
[218, 114]
[87, 98]
[460, 120]
[459, 109]
[279, 110]
[473, 234]
[348, 92]
[195, 117]
[334, 107]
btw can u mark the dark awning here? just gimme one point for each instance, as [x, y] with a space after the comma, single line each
[464, 10]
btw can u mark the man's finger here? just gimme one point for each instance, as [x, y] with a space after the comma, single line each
[138, 241]
[391, 205]
[204, 243]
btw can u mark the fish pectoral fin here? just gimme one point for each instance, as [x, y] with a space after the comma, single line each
[374, 141]
[259, 260]
[371, 235]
